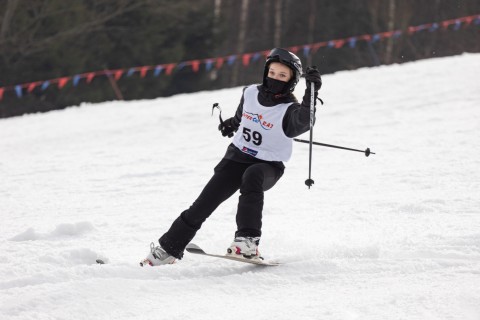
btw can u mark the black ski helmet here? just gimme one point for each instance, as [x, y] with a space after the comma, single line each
[287, 58]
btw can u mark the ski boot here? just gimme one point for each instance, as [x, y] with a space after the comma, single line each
[245, 247]
[157, 257]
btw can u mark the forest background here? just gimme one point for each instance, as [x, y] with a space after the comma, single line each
[49, 39]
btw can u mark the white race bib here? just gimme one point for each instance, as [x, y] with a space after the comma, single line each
[261, 133]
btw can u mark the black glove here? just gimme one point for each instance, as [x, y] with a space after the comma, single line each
[227, 128]
[312, 75]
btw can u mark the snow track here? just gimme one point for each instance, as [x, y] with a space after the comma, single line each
[392, 236]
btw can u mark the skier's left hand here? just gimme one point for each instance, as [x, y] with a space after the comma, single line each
[312, 75]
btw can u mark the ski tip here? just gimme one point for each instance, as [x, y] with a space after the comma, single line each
[272, 263]
[145, 262]
[193, 248]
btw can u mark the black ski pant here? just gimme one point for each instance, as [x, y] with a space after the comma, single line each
[252, 179]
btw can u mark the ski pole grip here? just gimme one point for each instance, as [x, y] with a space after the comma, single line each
[216, 106]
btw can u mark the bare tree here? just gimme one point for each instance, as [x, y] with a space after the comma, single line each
[267, 8]
[242, 31]
[7, 18]
[277, 38]
[311, 27]
[391, 26]
[28, 38]
[217, 11]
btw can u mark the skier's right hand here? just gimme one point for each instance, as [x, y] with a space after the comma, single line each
[227, 128]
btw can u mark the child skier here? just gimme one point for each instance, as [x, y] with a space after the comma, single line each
[267, 119]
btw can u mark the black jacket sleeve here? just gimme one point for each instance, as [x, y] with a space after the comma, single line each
[238, 114]
[297, 118]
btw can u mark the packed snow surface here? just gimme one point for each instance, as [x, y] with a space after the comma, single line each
[392, 236]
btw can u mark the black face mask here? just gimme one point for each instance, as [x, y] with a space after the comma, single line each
[276, 86]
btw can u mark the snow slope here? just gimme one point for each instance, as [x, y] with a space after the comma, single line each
[392, 236]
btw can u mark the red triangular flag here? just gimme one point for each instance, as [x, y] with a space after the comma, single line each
[446, 24]
[143, 71]
[388, 34]
[339, 43]
[118, 74]
[294, 49]
[31, 86]
[62, 82]
[246, 59]
[468, 20]
[195, 65]
[366, 37]
[90, 77]
[318, 45]
[169, 68]
[219, 63]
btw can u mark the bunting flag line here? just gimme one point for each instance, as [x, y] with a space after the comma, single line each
[245, 58]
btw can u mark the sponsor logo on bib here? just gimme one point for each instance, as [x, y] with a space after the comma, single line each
[258, 118]
[249, 151]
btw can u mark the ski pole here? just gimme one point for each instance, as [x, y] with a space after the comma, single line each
[309, 182]
[216, 106]
[367, 151]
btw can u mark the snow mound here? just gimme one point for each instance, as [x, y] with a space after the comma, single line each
[61, 230]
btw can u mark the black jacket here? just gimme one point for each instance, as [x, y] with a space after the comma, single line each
[295, 122]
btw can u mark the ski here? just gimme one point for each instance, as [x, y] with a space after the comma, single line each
[193, 248]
